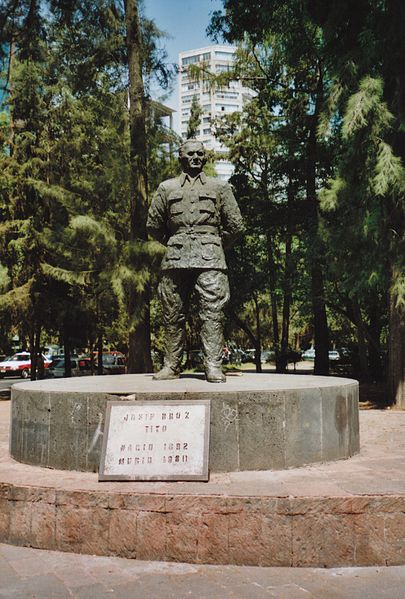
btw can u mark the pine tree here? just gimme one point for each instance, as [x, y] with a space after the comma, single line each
[193, 126]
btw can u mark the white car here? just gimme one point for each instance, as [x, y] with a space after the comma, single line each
[19, 365]
[334, 355]
[309, 354]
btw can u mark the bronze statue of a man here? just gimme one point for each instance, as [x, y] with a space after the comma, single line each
[195, 216]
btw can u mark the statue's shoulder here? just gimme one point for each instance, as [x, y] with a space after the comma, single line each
[218, 185]
[170, 184]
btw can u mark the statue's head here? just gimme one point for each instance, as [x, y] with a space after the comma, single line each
[192, 157]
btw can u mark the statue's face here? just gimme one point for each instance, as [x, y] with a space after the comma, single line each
[193, 157]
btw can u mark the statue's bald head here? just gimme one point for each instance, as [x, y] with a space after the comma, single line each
[192, 156]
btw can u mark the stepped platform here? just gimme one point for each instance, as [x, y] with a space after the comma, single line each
[349, 512]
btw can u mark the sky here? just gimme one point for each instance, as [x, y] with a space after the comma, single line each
[185, 21]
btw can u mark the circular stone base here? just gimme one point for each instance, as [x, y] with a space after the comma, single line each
[258, 421]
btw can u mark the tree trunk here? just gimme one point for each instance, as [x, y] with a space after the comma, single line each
[67, 350]
[363, 374]
[35, 337]
[273, 298]
[396, 352]
[258, 343]
[244, 327]
[321, 333]
[376, 367]
[100, 353]
[139, 358]
[282, 359]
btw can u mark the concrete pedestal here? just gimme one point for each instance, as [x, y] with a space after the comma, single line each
[258, 421]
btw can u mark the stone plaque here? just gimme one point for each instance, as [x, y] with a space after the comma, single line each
[155, 440]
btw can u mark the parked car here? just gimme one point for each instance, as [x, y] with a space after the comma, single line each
[308, 354]
[113, 363]
[266, 356]
[248, 355]
[19, 365]
[79, 366]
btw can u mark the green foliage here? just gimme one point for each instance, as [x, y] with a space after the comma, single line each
[389, 175]
[64, 158]
[329, 196]
[365, 108]
[194, 122]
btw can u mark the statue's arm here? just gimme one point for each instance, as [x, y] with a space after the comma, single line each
[157, 216]
[231, 218]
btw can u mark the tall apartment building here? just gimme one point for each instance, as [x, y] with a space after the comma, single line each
[214, 103]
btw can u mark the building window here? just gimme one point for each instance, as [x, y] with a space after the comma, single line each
[227, 95]
[188, 86]
[220, 54]
[226, 107]
[187, 99]
[220, 68]
[190, 59]
[206, 131]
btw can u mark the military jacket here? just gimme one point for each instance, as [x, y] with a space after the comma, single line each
[195, 219]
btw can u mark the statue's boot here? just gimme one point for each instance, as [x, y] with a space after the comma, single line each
[214, 374]
[213, 344]
[175, 341]
[166, 374]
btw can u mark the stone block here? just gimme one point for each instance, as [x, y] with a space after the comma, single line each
[303, 444]
[182, 537]
[369, 542]
[81, 499]
[82, 530]
[323, 541]
[5, 507]
[43, 524]
[224, 434]
[394, 526]
[261, 425]
[145, 502]
[267, 506]
[68, 442]
[213, 544]
[20, 522]
[335, 425]
[151, 535]
[260, 540]
[195, 504]
[122, 533]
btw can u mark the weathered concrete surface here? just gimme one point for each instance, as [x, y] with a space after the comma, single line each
[345, 513]
[258, 421]
[28, 573]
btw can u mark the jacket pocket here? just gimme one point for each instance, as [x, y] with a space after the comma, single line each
[174, 199]
[206, 207]
[211, 248]
[174, 249]
[207, 202]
